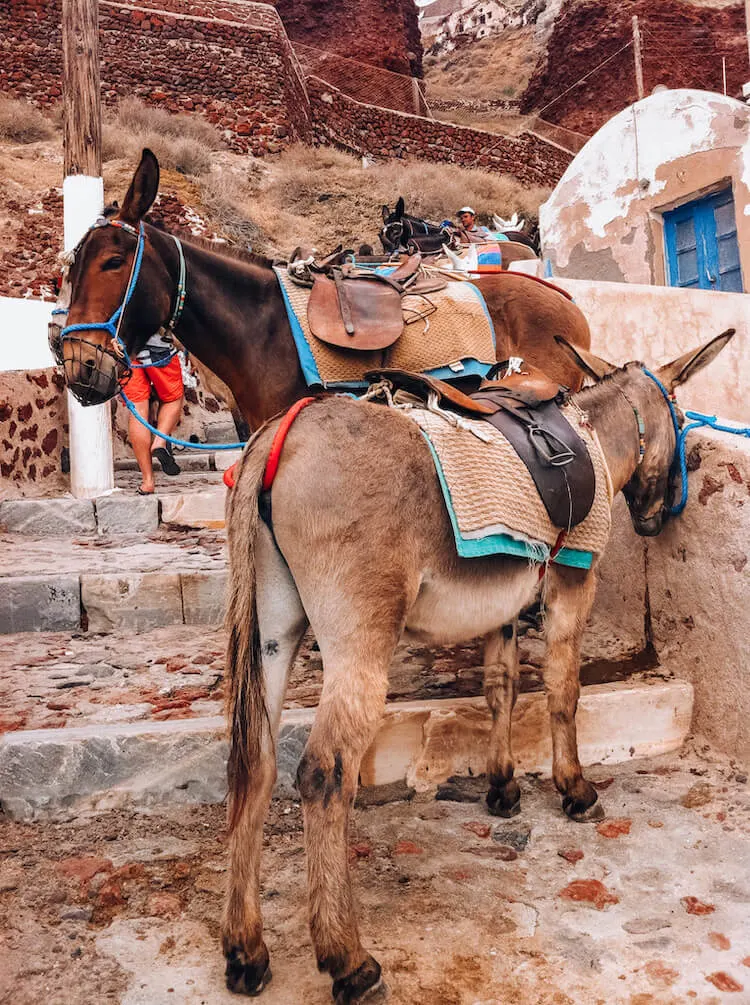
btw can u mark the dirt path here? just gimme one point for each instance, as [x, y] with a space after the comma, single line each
[460, 908]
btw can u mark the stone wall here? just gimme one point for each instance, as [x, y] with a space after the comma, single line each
[366, 129]
[243, 76]
[33, 433]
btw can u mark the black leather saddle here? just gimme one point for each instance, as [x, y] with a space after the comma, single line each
[525, 408]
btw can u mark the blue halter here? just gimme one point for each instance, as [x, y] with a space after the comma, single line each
[697, 419]
[112, 326]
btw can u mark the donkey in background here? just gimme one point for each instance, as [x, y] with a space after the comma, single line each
[359, 545]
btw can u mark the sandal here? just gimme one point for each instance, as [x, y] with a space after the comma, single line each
[168, 464]
[142, 492]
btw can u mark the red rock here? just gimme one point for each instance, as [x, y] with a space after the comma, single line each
[746, 962]
[163, 905]
[615, 827]
[84, 869]
[694, 906]
[477, 827]
[660, 973]
[504, 852]
[604, 784]
[723, 982]
[360, 850]
[719, 941]
[181, 870]
[175, 664]
[655, 823]
[131, 870]
[589, 891]
[407, 848]
[110, 894]
[571, 854]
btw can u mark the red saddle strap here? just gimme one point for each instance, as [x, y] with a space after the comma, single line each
[272, 464]
[543, 282]
[555, 549]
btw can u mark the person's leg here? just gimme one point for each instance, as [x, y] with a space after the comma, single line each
[169, 416]
[140, 440]
[167, 381]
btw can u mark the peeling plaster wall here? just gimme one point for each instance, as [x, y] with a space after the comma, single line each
[658, 323]
[603, 220]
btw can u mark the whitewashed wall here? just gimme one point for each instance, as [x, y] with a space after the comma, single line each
[23, 334]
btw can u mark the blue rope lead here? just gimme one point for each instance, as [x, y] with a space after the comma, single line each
[171, 439]
[697, 421]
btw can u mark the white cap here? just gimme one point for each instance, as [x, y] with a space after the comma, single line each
[466, 209]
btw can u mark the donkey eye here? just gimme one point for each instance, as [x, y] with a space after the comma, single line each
[113, 263]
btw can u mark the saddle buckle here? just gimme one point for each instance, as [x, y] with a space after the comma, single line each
[551, 449]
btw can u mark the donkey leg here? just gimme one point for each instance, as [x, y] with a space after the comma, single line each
[570, 594]
[501, 676]
[351, 705]
[282, 622]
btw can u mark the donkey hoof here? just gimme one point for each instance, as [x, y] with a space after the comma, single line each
[245, 976]
[363, 984]
[582, 814]
[505, 800]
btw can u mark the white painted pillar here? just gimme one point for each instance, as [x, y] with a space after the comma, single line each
[91, 464]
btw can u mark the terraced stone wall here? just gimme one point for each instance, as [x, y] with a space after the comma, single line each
[366, 129]
[243, 76]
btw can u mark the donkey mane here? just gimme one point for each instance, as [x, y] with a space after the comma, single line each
[222, 250]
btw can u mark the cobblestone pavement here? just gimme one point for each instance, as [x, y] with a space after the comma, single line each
[648, 906]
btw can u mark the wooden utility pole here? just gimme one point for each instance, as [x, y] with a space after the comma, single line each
[637, 57]
[91, 467]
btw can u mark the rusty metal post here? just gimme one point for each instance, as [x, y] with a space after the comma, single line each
[638, 57]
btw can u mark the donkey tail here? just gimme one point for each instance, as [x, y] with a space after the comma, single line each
[247, 714]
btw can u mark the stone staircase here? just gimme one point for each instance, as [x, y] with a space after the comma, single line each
[112, 666]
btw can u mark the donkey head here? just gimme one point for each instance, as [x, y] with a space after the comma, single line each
[392, 235]
[103, 274]
[649, 477]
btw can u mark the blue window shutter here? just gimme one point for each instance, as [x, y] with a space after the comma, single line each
[701, 245]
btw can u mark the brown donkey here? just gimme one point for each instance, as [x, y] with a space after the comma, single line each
[234, 320]
[355, 540]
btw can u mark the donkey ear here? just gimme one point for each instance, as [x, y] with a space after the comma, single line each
[682, 369]
[386, 213]
[593, 366]
[142, 191]
[400, 207]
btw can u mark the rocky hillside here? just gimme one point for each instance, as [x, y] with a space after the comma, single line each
[540, 67]
[682, 44]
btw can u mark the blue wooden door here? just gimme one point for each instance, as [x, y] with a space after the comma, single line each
[701, 243]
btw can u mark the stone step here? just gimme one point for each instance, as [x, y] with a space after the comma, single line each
[119, 513]
[63, 772]
[131, 582]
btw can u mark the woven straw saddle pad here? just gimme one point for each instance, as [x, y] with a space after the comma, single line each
[459, 329]
[490, 491]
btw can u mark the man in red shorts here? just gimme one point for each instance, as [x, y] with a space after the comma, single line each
[161, 371]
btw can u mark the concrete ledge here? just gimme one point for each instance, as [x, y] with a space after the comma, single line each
[59, 771]
[137, 601]
[48, 517]
[195, 509]
[125, 514]
[203, 597]
[39, 604]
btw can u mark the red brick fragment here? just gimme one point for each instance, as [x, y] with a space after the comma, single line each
[694, 906]
[719, 941]
[746, 962]
[163, 905]
[615, 827]
[85, 868]
[477, 827]
[660, 973]
[360, 850]
[723, 982]
[407, 848]
[571, 854]
[589, 891]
